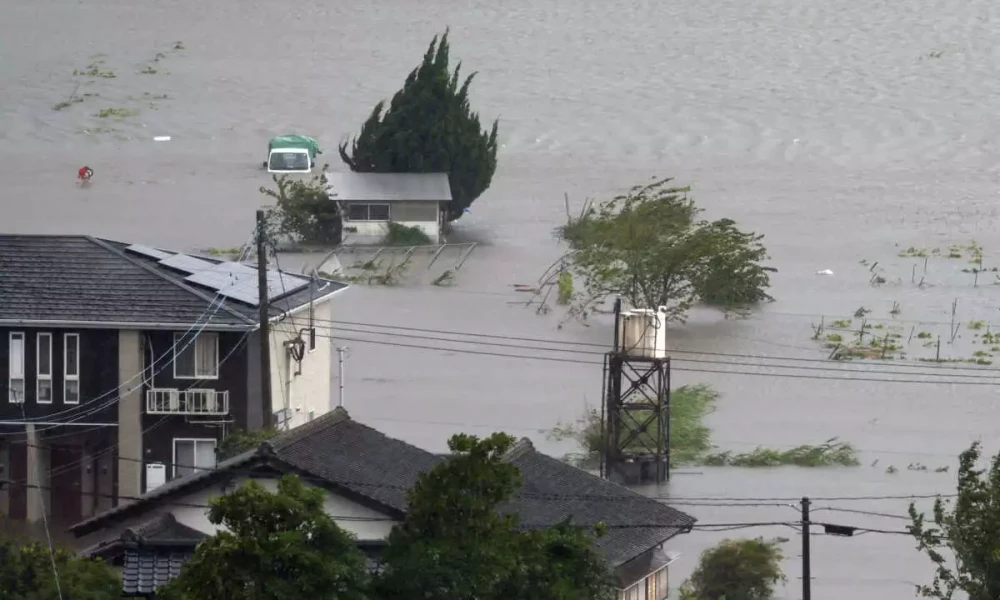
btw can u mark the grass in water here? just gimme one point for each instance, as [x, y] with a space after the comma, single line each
[691, 439]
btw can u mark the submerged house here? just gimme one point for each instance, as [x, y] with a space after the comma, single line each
[369, 202]
[123, 366]
[365, 475]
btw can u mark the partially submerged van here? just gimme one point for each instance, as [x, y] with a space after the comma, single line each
[291, 154]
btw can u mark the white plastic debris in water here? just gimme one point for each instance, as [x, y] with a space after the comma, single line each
[824, 272]
[162, 138]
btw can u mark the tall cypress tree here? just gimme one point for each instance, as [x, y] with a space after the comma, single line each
[429, 128]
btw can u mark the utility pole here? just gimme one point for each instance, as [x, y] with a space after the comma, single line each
[340, 358]
[806, 561]
[265, 322]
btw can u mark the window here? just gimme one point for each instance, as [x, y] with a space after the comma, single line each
[43, 385]
[196, 358]
[71, 368]
[368, 212]
[193, 455]
[15, 387]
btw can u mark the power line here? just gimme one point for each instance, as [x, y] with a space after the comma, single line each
[606, 347]
[842, 369]
[682, 369]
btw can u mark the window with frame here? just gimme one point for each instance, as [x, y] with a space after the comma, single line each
[196, 357]
[368, 212]
[71, 368]
[193, 455]
[15, 361]
[662, 585]
[43, 368]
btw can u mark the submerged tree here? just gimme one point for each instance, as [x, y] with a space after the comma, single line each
[649, 246]
[273, 546]
[745, 569]
[968, 529]
[303, 211]
[429, 127]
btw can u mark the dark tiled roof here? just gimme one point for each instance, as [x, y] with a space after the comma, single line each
[552, 490]
[82, 279]
[355, 456]
[376, 468]
[145, 570]
[163, 529]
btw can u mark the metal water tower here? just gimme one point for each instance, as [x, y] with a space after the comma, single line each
[635, 413]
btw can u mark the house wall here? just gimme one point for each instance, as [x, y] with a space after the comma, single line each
[187, 510]
[309, 391]
[160, 431]
[411, 213]
[47, 459]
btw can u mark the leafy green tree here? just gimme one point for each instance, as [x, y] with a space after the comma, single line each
[303, 211]
[429, 127]
[456, 543]
[968, 529]
[274, 546]
[649, 246]
[28, 572]
[240, 441]
[746, 569]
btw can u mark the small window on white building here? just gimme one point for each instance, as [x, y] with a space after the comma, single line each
[15, 384]
[368, 212]
[196, 358]
[193, 455]
[71, 368]
[43, 386]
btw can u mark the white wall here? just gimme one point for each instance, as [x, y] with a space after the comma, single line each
[373, 232]
[309, 391]
[335, 506]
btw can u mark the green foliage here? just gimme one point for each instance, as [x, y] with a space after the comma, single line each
[26, 573]
[968, 529]
[403, 235]
[429, 128]
[273, 547]
[240, 441]
[455, 543]
[691, 440]
[304, 210]
[745, 569]
[564, 284]
[649, 246]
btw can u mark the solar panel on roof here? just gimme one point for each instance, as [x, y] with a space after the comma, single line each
[187, 264]
[148, 252]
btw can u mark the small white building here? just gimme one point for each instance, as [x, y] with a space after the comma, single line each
[369, 202]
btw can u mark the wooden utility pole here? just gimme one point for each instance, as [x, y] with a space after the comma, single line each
[265, 323]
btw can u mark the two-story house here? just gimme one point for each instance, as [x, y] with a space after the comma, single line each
[123, 366]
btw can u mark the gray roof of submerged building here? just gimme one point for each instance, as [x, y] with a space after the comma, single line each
[378, 470]
[389, 187]
[80, 279]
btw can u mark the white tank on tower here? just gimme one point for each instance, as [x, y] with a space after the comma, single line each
[643, 333]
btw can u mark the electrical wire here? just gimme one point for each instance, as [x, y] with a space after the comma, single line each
[681, 369]
[843, 369]
[607, 347]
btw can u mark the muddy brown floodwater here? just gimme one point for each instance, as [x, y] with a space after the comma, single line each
[839, 129]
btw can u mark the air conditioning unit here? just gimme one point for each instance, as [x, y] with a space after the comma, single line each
[156, 475]
[643, 333]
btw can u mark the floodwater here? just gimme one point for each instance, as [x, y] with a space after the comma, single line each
[838, 129]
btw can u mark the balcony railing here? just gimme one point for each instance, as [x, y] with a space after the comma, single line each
[186, 402]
